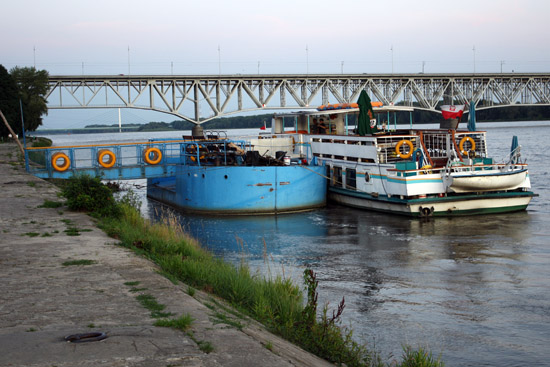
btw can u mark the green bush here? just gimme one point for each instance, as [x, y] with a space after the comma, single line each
[89, 194]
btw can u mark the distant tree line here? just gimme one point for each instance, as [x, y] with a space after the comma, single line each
[235, 122]
[26, 88]
[511, 113]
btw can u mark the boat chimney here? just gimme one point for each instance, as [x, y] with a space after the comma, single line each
[197, 132]
[448, 124]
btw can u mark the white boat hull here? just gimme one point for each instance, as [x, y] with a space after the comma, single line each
[438, 206]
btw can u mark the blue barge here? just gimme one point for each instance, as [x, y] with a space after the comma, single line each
[223, 177]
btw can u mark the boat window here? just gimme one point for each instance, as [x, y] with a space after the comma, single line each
[367, 177]
[350, 179]
[336, 176]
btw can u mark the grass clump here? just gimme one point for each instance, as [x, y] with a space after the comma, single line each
[181, 323]
[150, 303]
[32, 234]
[204, 346]
[51, 204]
[79, 262]
[419, 358]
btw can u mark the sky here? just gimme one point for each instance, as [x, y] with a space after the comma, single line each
[272, 37]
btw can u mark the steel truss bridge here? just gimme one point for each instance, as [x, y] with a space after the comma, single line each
[199, 98]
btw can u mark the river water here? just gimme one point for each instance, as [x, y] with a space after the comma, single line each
[473, 289]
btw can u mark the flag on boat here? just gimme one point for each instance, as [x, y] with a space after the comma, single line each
[367, 121]
[452, 111]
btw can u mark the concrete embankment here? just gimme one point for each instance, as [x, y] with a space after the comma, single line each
[42, 300]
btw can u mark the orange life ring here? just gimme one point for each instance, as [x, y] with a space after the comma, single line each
[110, 161]
[66, 162]
[152, 155]
[398, 149]
[192, 150]
[463, 141]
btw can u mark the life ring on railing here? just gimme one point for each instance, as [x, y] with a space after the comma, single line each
[66, 162]
[110, 161]
[152, 155]
[464, 140]
[398, 149]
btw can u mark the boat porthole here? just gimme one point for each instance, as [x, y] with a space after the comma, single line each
[367, 177]
[203, 175]
[225, 177]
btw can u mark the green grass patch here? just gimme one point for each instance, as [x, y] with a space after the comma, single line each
[51, 204]
[419, 358]
[137, 290]
[150, 303]
[221, 318]
[31, 234]
[72, 231]
[181, 323]
[41, 142]
[31, 184]
[205, 347]
[132, 284]
[46, 234]
[79, 262]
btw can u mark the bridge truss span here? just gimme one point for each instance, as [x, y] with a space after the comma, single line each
[199, 98]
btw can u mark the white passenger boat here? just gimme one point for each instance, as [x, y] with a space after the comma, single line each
[414, 172]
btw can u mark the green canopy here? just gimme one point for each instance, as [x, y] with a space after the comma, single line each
[366, 115]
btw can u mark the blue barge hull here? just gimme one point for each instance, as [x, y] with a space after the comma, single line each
[242, 189]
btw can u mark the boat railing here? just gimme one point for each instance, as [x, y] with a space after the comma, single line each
[471, 143]
[213, 152]
[395, 148]
[473, 166]
[122, 160]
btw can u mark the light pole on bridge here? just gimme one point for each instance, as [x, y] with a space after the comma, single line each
[391, 49]
[219, 61]
[474, 50]
[307, 60]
